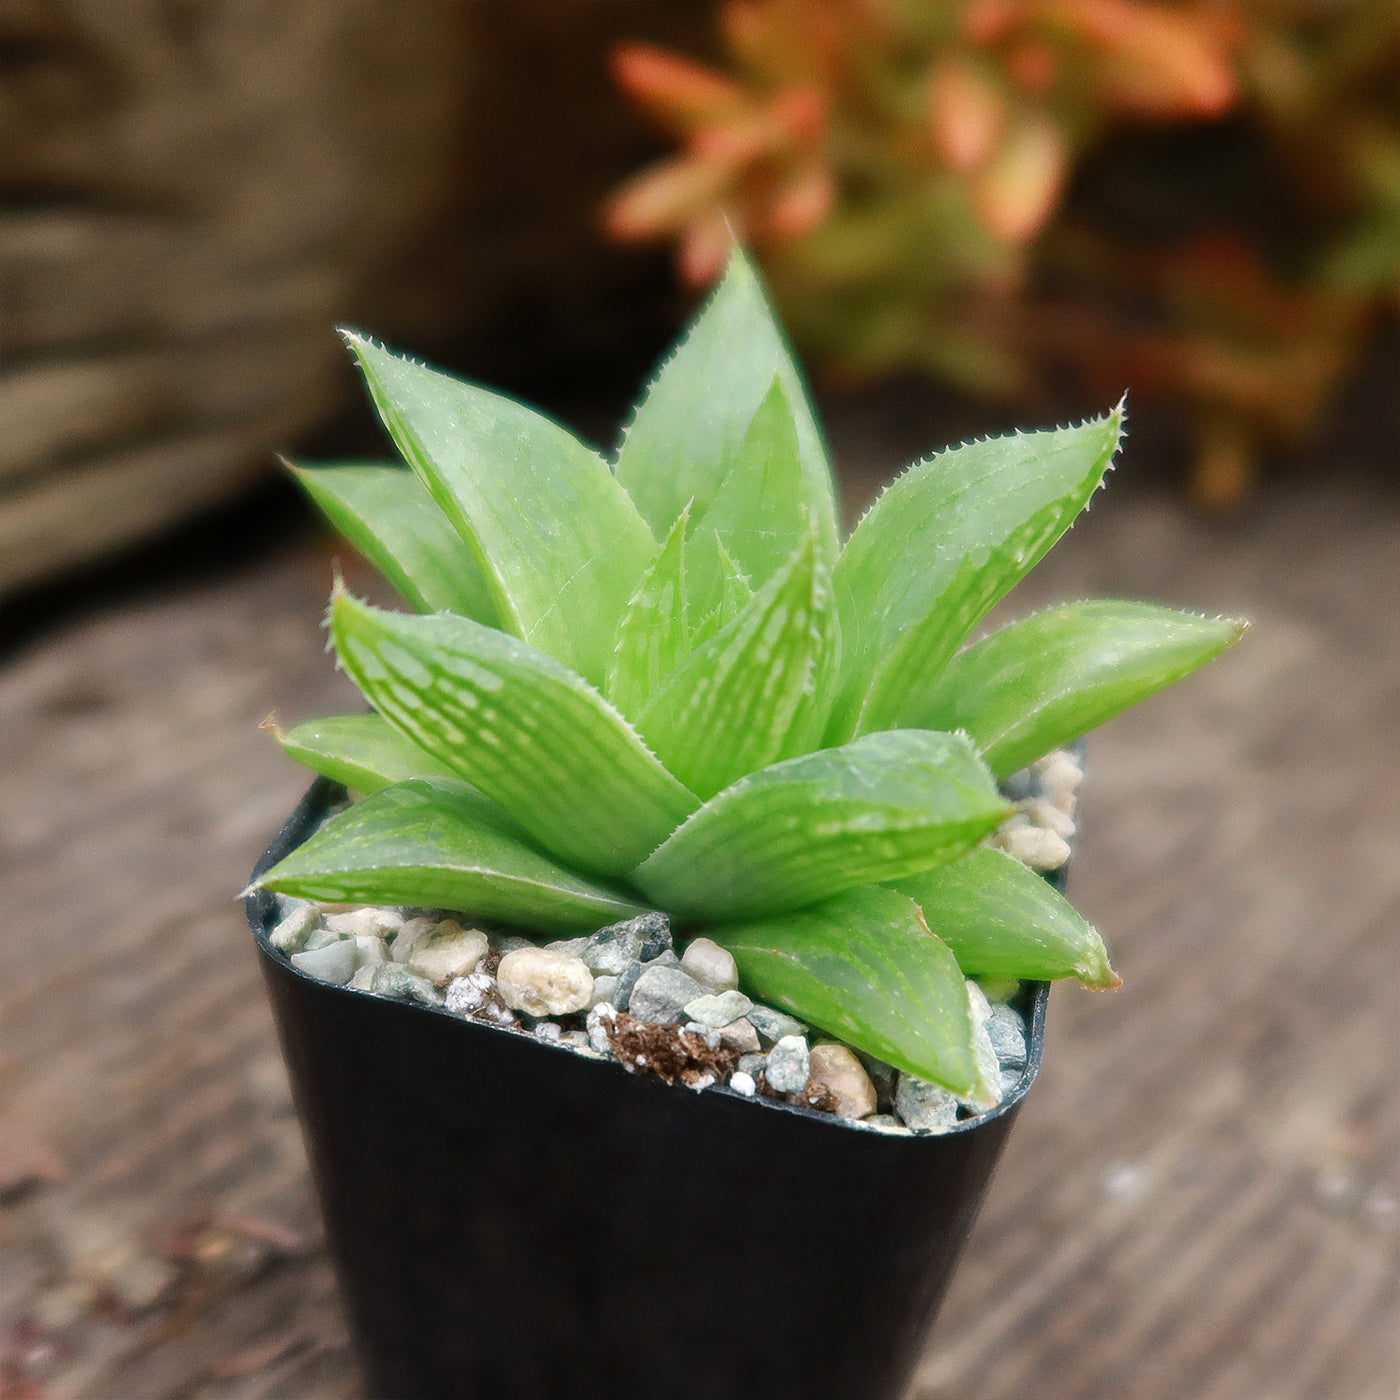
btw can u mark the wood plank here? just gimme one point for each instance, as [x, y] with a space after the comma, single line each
[1199, 1199]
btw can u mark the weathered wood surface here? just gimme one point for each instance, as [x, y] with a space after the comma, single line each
[1199, 1202]
[195, 194]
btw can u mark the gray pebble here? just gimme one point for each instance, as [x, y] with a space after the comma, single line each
[611, 949]
[1018, 786]
[321, 938]
[927, 1107]
[626, 980]
[753, 1064]
[1008, 1035]
[789, 1065]
[392, 979]
[604, 989]
[774, 1025]
[655, 929]
[988, 1068]
[513, 943]
[718, 1008]
[570, 947]
[661, 994]
[1010, 1080]
[369, 951]
[331, 962]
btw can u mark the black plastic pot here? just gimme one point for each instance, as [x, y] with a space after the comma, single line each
[511, 1220]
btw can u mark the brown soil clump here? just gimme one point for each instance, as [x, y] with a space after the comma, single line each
[671, 1054]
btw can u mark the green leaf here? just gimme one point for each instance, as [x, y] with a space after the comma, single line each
[1003, 920]
[422, 842]
[537, 739]
[561, 545]
[689, 428]
[361, 751]
[653, 634]
[886, 805]
[388, 515]
[727, 591]
[864, 966]
[758, 514]
[1037, 684]
[940, 546]
[733, 705]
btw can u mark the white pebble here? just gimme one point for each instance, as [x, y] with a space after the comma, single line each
[549, 1030]
[742, 1083]
[599, 1018]
[707, 962]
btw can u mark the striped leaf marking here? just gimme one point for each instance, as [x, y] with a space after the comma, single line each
[535, 737]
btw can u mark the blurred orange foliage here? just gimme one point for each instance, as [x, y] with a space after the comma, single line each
[918, 178]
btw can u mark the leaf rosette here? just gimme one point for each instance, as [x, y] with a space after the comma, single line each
[660, 681]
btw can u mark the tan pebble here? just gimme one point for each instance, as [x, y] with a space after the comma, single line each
[837, 1069]
[1033, 846]
[1047, 815]
[740, 1035]
[1058, 772]
[447, 953]
[407, 936]
[711, 965]
[541, 983]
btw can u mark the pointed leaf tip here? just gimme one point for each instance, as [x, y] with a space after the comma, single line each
[975, 520]
[558, 541]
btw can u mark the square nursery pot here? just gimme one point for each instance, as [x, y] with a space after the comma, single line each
[510, 1219]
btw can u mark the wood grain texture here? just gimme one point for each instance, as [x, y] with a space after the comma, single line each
[1199, 1200]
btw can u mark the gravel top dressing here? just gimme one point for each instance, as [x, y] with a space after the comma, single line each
[627, 992]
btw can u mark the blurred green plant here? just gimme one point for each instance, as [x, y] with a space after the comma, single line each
[916, 176]
[663, 683]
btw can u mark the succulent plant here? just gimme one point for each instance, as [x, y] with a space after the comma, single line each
[662, 683]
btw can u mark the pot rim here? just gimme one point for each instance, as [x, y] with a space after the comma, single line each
[259, 904]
